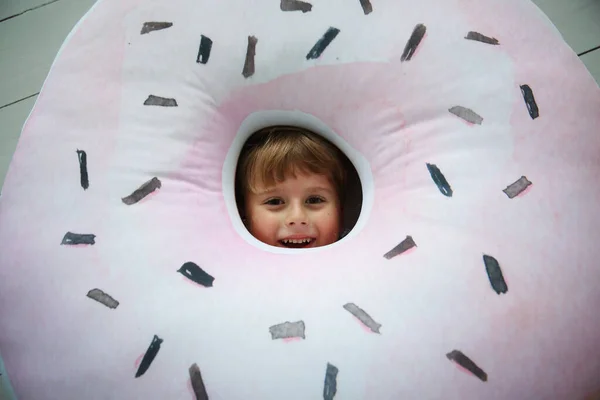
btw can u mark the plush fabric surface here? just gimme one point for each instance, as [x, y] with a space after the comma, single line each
[476, 247]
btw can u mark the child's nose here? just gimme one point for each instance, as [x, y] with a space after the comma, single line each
[296, 215]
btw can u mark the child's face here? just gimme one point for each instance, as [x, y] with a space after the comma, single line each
[300, 212]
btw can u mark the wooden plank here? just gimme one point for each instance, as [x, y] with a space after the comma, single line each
[12, 119]
[29, 43]
[577, 20]
[592, 62]
[11, 8]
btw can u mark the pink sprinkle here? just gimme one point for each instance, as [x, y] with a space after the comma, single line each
[138, 361]
[191, 282]
[524, 192]
[293, 339]
[78, 245]
[145, 199]
[409, 251]
[463, 369]
[469, 124]
[190, 388]
[363, 326]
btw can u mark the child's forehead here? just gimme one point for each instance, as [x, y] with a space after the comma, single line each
[299, 179]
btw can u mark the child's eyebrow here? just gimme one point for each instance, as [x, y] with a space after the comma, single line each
[265, 191]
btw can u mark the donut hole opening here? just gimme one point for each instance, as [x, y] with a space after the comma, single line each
[338, 167]
[356, 193]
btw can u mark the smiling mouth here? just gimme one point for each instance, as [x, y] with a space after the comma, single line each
[297, 243]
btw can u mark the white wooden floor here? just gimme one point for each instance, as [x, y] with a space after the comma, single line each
[32, 31]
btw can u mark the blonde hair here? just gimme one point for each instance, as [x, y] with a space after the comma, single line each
[274, 153]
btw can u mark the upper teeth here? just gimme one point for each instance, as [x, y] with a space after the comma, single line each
[296, 240]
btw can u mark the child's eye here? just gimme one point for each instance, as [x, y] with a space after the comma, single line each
[315, 200]
[274, 202]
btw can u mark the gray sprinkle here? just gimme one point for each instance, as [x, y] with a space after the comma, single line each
[517, 188]
[467, 114]
[287, 330]
[104, 298]
[362, 316]
[160, 101]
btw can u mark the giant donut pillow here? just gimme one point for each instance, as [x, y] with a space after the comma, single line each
[471, 273]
